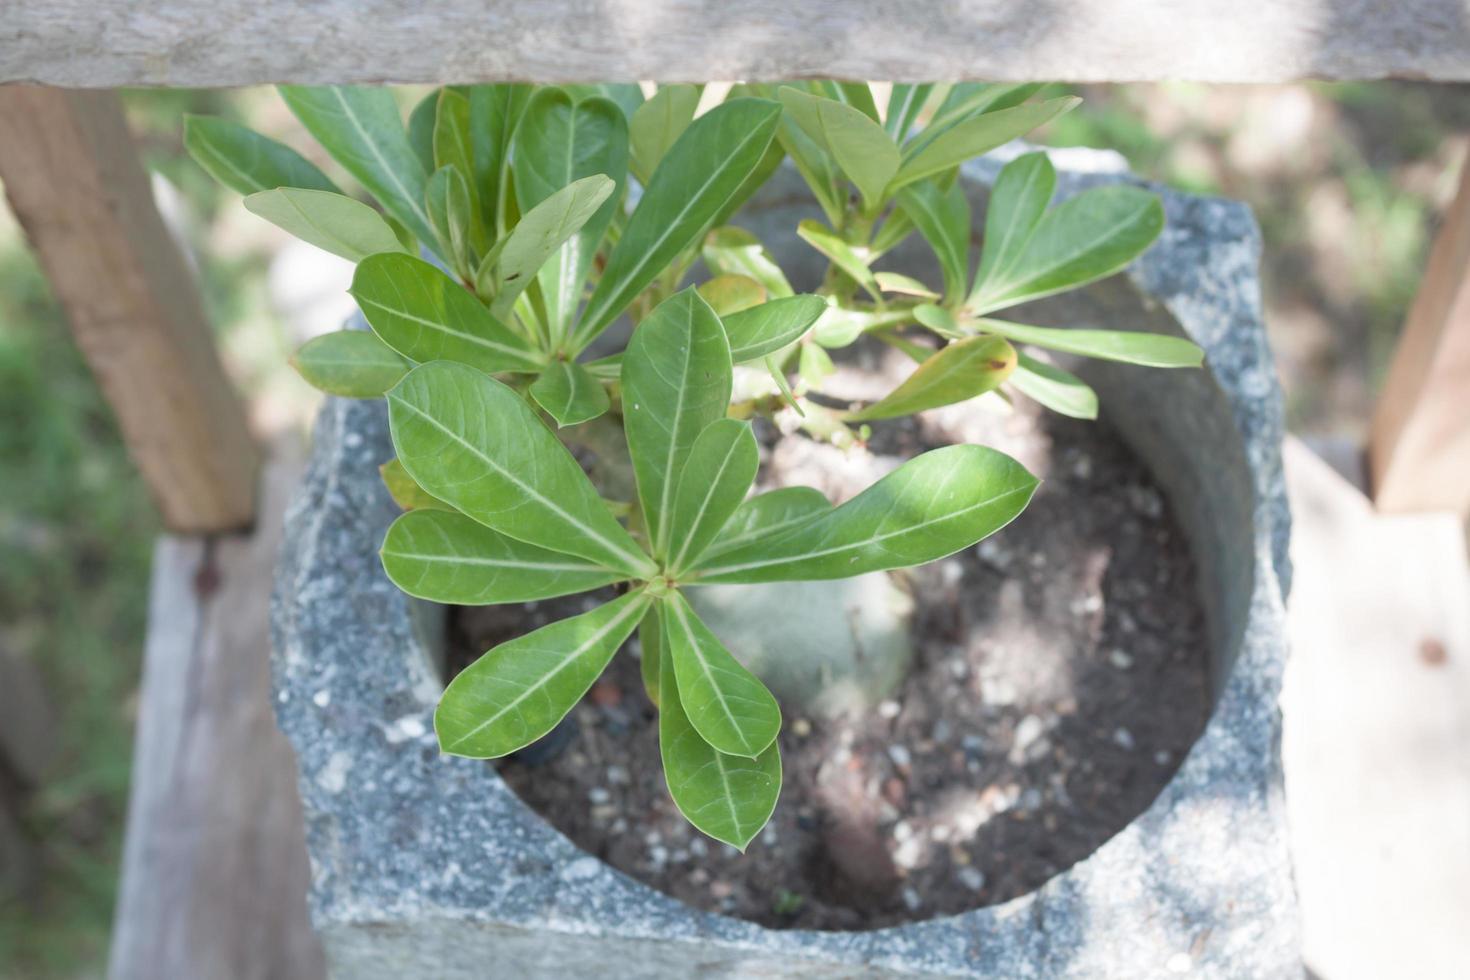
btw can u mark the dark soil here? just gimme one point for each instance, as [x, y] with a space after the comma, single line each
[1060, 676]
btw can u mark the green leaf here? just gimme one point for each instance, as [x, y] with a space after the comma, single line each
[963, 370]
[362, 130]
[728, 295]
[1017, 202]
[421, 122]
[975, 136]
[426, 316]
[760, 330]
[454, 147]
[407, 494]
[651, 640]
[495, 112]
[245, 161]
[943, 218]
[860, 147]
[676, 381]
[766, 515]
[517, 692]
[726, 704]
[350, 363]
[1128, 346]
[814, 365]
[1081, 240]
[540, 234]
[704, 168]
[476, 445]
[727, 797]
[816, 167]
[905, 102]
[934, 505]
[569, 393]
[627, 96]
[970, 99]
[449, 558]
[856, 95]
[326, 219]
[657, 124]
[938, 319]
[897, 282]
[756, 179]
[559, 143]
[447, 201]
[732, 251]
[841, 254]
[716, 476]
[1058, 390]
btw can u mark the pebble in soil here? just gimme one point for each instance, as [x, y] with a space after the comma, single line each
[1060, 676]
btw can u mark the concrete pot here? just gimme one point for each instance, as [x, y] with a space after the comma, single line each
[429, 866]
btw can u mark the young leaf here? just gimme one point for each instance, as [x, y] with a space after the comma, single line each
[1127, 346]
[424, 315]
[495, 111]
[326, 219]
[728, 797]
[454, 147]
[760, 330]
[728, 295]
[841, 254]
[1060, 391]
[720, 469]
[651, 640]
[934, 505]
[676, 381]
[421, 120]
[963, 370]
[517, 692]
[863, 151]
[361, 128]
[657, 124]
[350, 363]
[476, 445]
[559, 143]
[766, 515]
[447, 201]
[975, 136]
[1081, 240]
[407, 494]
[449, 558]
[814, 365]
[938, 319]
[540, 234]
[1017, 202]
[897, 282]
[943, 218]
[704, 168]
[970, 99]
[245, 161]
[905, 102]
[729, 707]
[569, 393]
[731, 251]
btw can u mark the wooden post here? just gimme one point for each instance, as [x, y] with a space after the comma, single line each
[1419, 445]
[75, 183]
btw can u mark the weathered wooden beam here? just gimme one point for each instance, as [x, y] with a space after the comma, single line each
[1419, 445]
[214, 867]
[202, 42]
[75, 183]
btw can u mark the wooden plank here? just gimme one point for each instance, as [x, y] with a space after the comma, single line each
[1376, 719]
[75, 183]
[214, 867]
[1419, 445]
[202, 42]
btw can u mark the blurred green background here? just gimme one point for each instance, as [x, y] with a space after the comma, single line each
[1347, 180]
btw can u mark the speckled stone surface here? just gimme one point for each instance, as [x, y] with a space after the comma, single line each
[428, 866]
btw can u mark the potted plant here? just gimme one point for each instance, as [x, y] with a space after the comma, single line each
[497, 367]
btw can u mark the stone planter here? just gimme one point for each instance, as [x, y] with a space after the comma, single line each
[428, 866]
